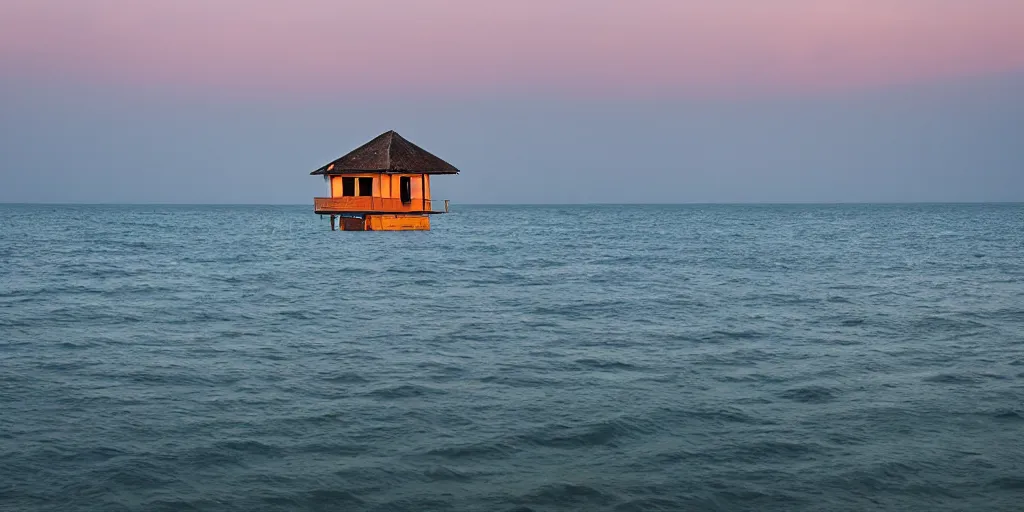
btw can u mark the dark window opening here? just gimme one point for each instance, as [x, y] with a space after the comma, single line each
[348, 186]
[366, 186]
[405, 187]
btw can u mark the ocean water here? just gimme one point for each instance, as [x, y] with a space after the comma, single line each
[619, 358]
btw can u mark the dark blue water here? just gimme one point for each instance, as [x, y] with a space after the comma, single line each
[514, 358]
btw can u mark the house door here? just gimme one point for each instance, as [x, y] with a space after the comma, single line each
[405, 189]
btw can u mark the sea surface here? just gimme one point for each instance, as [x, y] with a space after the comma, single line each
[544, 358]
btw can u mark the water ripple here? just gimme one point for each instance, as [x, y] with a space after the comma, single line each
[806, 357]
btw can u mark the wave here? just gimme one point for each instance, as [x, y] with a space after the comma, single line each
[331, 498]
[346, 378]
[249, 446]
[566, 494]
[404, 391]
[1010, 483]
[1010, 415]
[663, 505]
[518, 381]
[444, 474]
[954, 378]
[810, 394]
[599, 364]
[762, 452]
[487, 450]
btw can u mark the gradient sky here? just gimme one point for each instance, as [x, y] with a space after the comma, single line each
[724, 100]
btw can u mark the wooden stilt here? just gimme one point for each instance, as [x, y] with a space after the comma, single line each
[332, 222]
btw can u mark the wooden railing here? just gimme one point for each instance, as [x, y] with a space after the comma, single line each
[376, 204]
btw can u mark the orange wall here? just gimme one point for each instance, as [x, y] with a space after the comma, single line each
[387, 185]
[385, 223]
[416, 184]
[397, 223]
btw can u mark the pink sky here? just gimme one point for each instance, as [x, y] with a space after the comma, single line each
[645, 47]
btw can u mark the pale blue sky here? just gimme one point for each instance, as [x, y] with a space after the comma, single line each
[958, 140]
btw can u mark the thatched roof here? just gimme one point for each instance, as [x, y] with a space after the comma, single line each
[390, 153]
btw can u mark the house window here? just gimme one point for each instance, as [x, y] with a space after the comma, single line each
[405, 189]
[366, 186]
[348, 186]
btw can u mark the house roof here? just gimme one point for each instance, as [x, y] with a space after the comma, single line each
[391, 153]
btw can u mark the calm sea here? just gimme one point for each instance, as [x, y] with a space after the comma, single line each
[619, 358]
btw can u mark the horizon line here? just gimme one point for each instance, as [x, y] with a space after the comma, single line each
[694, 203]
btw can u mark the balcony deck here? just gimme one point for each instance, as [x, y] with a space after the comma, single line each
[361, 205]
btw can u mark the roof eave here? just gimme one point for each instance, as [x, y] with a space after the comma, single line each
[337, 172]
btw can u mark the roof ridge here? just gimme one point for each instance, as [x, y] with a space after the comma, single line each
[391, 138]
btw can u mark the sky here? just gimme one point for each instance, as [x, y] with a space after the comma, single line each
[563, 101]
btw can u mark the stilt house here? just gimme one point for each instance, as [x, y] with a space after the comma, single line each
[382, 185]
